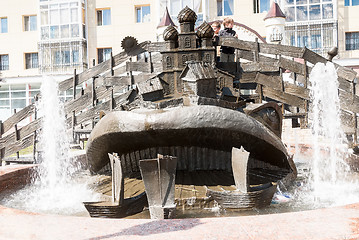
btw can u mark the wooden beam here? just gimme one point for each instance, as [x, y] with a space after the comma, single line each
[260, 67]
[112, 64]
[278, 49]
[266, 48]
[348, 103]
[19, 116]
[138, 66]
[272, 81]
[346, 73]
[283, 97]
[344, 84]
[156, 47]
[237, 43]
[343, 72]
[91, 112]
[124, 81]
[111, 100]
[22, 133]
[355, 128]
[16, 136]
[248, 77]
[294, 115]
[248, 55]
[78, 104]
[18, 145]
[291, 65]
[121, 81]
[2, 153]
[103, 67]
[297, 90]
[74, 83]
[34, 150]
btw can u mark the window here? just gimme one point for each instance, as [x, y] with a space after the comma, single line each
[4, 62]
[318, 37]
[261, 6]
[224, 7]
[302, 13]
[103, 17]
[3, 22]
[327, 11]
[103, 54]
[302, 41]
[30, 23]
[305, 10]
[352, 41]
[314, 12]
[75, 56]
[31, 60]
[143, 14]
[62, 57]
[54, 32]
[63, 20]
[351, 2]
[316, 42]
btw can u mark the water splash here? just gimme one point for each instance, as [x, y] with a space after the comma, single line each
[329, 175]
[56, 163]
[54, 189]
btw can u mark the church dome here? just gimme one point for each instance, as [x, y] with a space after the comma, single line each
[170, 33]
[187, 15]
[205, 30]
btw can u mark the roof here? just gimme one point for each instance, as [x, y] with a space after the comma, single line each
[274, 11]
[196, 70]
[150, 85]
[166, 20]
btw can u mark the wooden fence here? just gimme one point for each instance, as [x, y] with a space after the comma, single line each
[265, 66]
[263, 72]
[99, 95]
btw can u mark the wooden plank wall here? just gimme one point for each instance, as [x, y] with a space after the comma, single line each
[266, 67]
[266, 63]
[84, 105]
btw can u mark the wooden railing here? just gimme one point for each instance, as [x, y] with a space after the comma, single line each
[266, 65]
[263, 70]
[84, 106]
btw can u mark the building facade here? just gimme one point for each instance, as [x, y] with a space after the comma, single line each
[54, 37]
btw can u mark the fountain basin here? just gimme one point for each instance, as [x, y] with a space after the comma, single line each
[14, 177]
[331, 223]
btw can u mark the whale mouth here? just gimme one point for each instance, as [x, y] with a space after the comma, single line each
[201, 137]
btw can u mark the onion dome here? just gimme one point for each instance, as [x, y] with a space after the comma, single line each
[205, 30]
[170, 33]
[187, 15]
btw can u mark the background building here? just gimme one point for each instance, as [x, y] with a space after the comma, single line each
[57, 36]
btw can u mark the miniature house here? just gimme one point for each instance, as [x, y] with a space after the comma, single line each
[199, 79]
[151, 89]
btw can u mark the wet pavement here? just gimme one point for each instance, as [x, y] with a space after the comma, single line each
[331, 223]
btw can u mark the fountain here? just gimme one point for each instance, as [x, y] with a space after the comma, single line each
[53, 188]
[185, 139]
[330, 182]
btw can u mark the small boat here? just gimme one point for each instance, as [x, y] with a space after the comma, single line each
[257, 197]
[109, 209]
[245, 196]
